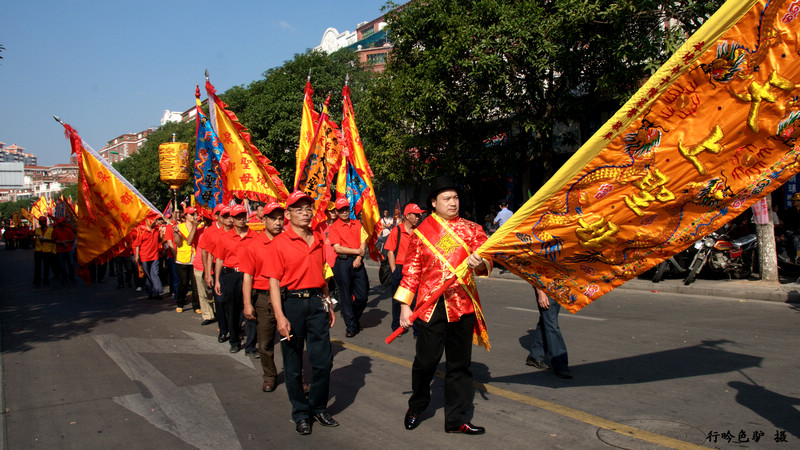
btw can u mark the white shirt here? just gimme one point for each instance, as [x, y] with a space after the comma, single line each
[503, 216]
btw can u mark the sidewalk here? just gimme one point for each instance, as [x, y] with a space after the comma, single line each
[734, 289]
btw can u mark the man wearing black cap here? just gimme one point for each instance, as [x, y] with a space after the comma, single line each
[439, 245]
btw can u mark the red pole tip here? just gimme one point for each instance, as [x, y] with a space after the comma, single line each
[197, 91]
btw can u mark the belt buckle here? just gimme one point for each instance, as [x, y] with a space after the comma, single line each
[305, 294]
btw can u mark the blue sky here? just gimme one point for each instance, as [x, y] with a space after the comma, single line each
[112, 67]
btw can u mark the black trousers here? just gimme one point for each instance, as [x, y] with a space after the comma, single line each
[186, 285]
[433, 338]
[233, 303]
[353, 291]
[309, 322]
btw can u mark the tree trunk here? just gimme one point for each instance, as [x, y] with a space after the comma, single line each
[767, 255]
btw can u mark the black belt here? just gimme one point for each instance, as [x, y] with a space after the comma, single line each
[261, 291]
[230, 269]
[304, 293]
[345, 256]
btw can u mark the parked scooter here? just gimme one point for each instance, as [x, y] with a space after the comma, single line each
[734, 258]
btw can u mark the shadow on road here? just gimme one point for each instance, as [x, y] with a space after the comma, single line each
[779, 409]
[347, 381]
[698, 360]
[56, 312]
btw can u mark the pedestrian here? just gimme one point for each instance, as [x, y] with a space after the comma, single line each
[387, 223]
[185, 236]
[503, 215]
[397, 250]
[146, 248]
[224, 223]
[198, 269]
[227, 277]
[440, 243]
[548, 346]
[44, 253]
[295, 263]
[255, 293]
[123, 263]
[349, 272]
[64, 235]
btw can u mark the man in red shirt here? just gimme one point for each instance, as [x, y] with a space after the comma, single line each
[396, 249]
[227, 277]
[255, 293]
[349, 271]
[64, 235]
[198, 270]
[224, 222]
[148, 243]
[296, 263]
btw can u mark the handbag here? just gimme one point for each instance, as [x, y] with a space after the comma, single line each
[385, 271]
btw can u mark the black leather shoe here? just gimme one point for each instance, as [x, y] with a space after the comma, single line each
[223, 338]
[303, 426]
[208, 322]
[412, 420]
[325, 419]
[466, 428]
[235, 348]
[563, 373]
[531, 361]
[350, 334]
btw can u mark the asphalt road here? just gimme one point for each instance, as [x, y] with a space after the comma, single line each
[96, 367]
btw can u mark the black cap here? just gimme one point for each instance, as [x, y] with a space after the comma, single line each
[441, 184]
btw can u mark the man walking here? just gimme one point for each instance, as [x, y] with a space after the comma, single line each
[349, 271]
[397, 249]
[548, 344]
[295, 262]
[255, 292]
[441, 242]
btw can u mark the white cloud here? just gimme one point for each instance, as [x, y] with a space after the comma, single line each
[286, 26]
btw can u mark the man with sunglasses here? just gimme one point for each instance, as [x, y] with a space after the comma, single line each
[296, 263]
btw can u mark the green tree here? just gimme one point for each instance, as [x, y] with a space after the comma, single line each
[7, 209]
[271, 107]
[462, 71]
[142, 169]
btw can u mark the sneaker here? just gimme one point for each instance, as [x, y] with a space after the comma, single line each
[139, 289]
[178, 310]
[531, 361]
[197, 311]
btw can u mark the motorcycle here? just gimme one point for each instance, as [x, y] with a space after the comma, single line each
[734, 258]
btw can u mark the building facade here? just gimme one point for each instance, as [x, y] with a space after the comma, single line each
[124, 146]
[15, 153]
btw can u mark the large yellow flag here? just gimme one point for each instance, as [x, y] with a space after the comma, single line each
[308, 123]
[109, 207]
[360, 191]
[709, 134]
[315, 176]
[246, 172]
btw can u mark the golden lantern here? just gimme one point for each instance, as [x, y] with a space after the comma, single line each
[173, 163]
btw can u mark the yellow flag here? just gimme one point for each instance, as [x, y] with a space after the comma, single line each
[709, 134]
[109, 206]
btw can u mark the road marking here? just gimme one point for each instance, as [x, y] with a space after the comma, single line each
[192, 413]
[200, 344]
[572, 316]
[562, 410]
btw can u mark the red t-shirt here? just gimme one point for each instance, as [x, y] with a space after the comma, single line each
[148, 242]
[230, 245]
[197, 259]
[252, 260]
[63, 233]
[291, 260]
[345, 234]
[391, 244]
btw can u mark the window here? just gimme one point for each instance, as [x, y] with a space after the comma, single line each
[376, 58]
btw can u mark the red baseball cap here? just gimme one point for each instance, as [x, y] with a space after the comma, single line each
[225, 210]
[190, 210]
[272, 206]
[238, 209]
[342, 202]
[296, 197]
[412, 208]
[218, 208]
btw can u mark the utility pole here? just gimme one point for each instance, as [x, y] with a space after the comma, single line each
[767, 255]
